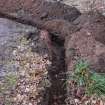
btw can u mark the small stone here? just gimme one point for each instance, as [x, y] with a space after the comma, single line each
[22, 73]
[48, 62]
[30, 103]
[14, 52]
[101, 103]
[15, 99]
[76, 100]
[27, 90]
[93, 101]
[19, 47]
[20, 97]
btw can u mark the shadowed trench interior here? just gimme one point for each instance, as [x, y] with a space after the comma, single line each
[57, 92]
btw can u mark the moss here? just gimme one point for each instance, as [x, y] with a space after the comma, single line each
[11, 79]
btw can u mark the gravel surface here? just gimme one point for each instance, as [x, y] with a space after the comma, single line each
[23, 65]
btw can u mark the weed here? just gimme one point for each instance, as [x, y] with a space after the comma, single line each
[92, 82]
[11, 79]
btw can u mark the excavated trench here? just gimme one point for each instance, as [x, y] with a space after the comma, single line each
[57, 92]
[35, 15]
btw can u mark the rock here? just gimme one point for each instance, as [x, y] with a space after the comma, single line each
[17, 60]
[60, 27]
[39, 9]
[10, 34]
[38, 12]
[87, 5]
[30, 103]
[95, 23]
[88, 43]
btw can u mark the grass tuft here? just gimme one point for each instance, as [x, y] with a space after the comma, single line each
[92, 82]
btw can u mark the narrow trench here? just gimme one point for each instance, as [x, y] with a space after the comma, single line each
[57, 91]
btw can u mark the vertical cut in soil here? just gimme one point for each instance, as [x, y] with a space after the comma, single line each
[57, 91]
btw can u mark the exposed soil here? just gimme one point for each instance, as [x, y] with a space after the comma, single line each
[53, 15]
[88, 43]
[38, 12]
[57, 92]
[23, 62]
[39, 9]
[68, 39]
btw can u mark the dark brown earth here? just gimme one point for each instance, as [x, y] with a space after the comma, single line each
[72, 39]
[39, 9]
[38, 12]
[55, 18]
[88, 43]
[95, 22]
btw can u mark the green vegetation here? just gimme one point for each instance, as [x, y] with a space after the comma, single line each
[11, 79]
[92, 82]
